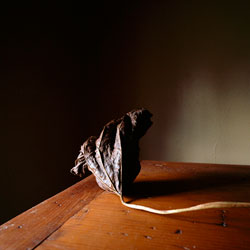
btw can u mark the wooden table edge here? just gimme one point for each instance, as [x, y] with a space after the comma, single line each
[32, 227]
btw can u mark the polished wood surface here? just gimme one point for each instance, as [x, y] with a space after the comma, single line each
[30, 228]
[102, 222]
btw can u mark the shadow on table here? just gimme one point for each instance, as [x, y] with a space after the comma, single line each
[144, 189]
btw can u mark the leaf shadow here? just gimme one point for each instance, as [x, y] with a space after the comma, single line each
[153, 188]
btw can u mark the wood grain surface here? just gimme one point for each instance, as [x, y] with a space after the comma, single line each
[105, 224]
[30, 228]
[102, 222]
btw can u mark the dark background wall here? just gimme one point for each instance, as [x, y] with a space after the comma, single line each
[68, 69]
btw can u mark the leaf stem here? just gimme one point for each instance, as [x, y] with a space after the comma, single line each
[209, 205]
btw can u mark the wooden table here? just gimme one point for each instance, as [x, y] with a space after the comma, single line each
[86, 217]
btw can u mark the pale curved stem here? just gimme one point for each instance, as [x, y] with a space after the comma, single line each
[216, 204]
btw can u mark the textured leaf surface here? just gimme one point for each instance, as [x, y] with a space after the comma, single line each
[113, 157]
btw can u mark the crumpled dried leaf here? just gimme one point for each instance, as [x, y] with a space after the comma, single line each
[113, 157]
